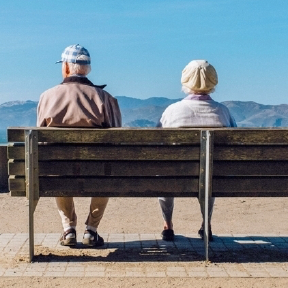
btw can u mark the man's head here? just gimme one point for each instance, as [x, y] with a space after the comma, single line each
[75, 59]
[199, 77]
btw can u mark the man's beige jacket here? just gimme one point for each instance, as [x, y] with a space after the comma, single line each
[77, 102]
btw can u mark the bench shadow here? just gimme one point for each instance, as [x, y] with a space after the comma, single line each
[249, 249]
[223, 249]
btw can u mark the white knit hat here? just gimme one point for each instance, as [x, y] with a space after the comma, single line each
[199, 76]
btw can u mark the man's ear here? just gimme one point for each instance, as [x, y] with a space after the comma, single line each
[67, 69]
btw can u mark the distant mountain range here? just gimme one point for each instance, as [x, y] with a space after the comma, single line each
[146, 113]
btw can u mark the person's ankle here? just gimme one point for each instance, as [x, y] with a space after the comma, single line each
[91, 228]
[168, 226]
[209, 225]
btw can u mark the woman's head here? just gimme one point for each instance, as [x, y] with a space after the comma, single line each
[199, 77]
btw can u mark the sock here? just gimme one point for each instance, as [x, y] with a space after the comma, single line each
[70, 235]
[91, 228]
[87, 235]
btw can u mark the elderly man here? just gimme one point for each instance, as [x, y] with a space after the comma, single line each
[197, 109]
[77, 102]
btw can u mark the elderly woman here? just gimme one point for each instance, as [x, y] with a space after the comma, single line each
[197, 109]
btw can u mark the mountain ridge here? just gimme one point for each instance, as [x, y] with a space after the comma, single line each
[147, 112]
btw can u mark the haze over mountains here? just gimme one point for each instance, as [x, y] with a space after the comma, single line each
[147, 112]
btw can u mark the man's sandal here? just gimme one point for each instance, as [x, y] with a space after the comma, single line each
[93, 239]
[69, 238]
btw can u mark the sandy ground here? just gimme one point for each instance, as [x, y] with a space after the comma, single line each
[137, 215]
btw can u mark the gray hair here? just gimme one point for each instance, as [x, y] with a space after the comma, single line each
[76, 68]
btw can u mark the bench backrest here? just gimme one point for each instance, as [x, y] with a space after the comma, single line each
[106, 162]
[150, 162]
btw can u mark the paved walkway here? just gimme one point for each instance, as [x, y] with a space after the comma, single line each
[146, 255]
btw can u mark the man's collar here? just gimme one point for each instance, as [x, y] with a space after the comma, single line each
[81, 80]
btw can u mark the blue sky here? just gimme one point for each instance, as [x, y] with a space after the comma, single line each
[139, 48]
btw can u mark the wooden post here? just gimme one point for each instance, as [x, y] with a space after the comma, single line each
[32, 182]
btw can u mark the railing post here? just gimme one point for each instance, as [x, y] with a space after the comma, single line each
[205, 182]
[32, 181]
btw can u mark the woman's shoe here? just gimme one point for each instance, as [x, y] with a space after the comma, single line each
[168, 235]
[201, 234]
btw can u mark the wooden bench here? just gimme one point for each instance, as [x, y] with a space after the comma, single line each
[127, 162]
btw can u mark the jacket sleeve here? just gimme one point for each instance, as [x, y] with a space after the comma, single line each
[112, 110]
[41, 122]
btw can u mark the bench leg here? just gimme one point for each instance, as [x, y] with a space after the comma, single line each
[32, 182]
[204, 207]
[205, 188]
[206, 228]
[32, 207]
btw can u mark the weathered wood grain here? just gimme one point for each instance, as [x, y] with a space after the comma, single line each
[227, 136]
[250, 186]
[141, 152]
[136, 186]
[251, 136]
[99, 152]
[256, 152]
[112, 186]
[113, 168]
[250, 168]
[111, 135]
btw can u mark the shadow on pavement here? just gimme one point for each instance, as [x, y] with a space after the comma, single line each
[244, 249]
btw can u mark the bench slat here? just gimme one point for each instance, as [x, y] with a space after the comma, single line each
[250, 168]
[114, 168]
[149, 168]
[152, 153]
[111, 135]
[251, 136]
[250, 186]
[94, 152]
[251, 153]
[112, 186]
[126, 186]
